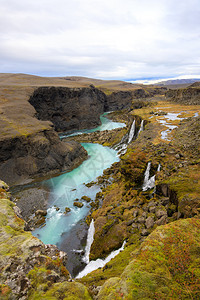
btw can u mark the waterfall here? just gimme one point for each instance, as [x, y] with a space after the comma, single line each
[132, 132]
[146, 177]
[90, 239]
[121, 146]
[141, 127]
[99, 263]
[149, 182]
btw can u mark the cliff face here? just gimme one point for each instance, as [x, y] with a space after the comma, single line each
[123, 99]
[118, 100]
[79, 108]
[42, 153]
[67, 108]
[190, 95]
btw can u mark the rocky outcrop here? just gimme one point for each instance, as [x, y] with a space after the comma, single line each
[69, 108]
[24, 157]
[126, 210]
[190, 95]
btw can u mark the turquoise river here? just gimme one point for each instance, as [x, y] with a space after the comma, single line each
[68, 231]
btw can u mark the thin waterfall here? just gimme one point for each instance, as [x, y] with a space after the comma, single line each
[132, 132]
[121, 147]
[90, 239]
[99, 263]
[149, 182]
[141, 127]
[146, 176]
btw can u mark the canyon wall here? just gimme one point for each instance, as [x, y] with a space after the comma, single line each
[69, 108]
[38, 154]
[190, 95]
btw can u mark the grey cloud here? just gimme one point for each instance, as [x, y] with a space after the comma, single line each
[110, 39]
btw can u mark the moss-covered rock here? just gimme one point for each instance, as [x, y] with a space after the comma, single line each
[78, 204]
[67, 210]
[166, 267]
[85, 198]
[65, 290]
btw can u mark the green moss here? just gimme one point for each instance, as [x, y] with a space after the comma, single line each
[166, 267]
[65, 291]
[3, 219]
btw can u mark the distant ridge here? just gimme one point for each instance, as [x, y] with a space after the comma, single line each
[177, 81]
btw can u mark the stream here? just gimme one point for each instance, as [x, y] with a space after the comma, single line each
[68, 231]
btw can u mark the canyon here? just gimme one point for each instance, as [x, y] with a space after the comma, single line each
[160, 223]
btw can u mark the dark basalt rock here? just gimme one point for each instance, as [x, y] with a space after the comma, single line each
[78, 108]
[42, 153]
[69, 108]
[118, 100]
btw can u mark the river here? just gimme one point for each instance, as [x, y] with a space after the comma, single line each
[69, 231]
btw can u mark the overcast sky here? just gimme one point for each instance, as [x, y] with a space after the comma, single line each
[111, 39]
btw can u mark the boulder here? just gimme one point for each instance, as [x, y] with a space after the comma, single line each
[161, 212]
[149, 222]
[141, 220]
[87, 199]
[152, 209]
[67, 209]
[78, 204]
[144, 232]
[162, 220]
[40, 213]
